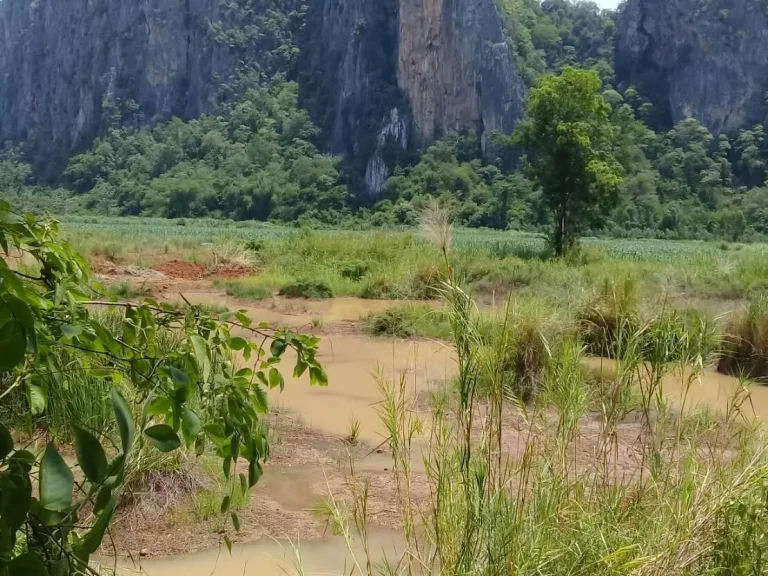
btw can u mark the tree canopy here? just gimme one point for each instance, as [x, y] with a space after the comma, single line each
[571, 139]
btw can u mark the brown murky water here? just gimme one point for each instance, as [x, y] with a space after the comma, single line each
[275, 558]
[711, 390]
[355, 365]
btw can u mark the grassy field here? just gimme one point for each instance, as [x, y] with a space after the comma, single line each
[402, 264]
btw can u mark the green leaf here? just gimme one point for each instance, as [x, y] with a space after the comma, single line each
[225, 504]
[70, 331]
[217, 435]
[6, 441]
[243, 483]
[277, 348]
[19, 310]
[237, 343]
[15, 497]
[56, 481]
[317, 376]
[254, 472]
[260, 399]
[124, 418]
[200, 347]
[28, 564]
[90, 456]
[13, 343]
[163, 437]
[228, 543]
[37, 398]
[190, 424]
[235, 521]
[226, 466]
[276, 379]
[179, 377]
[199, 446]
[92, 540]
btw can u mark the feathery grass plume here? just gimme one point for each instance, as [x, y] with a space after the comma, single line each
[436, 226]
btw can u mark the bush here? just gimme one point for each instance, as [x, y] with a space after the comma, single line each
[393, 322]
[605, 324]
[426, 282]
[745, 344]
[353, 270]
[306, 289]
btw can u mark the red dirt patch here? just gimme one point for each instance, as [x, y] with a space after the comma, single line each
[181, 269]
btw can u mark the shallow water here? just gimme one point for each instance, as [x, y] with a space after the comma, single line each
[710, 390]
[356, 365]
[274, 558]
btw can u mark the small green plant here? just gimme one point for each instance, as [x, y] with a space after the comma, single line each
[306, 289]
[354, 432]
[393, 322]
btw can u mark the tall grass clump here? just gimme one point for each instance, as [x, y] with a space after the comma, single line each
[745, 342]
[608, 320]
[558, 487]
[409, 320]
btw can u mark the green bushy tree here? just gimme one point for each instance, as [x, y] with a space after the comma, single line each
[571, 141]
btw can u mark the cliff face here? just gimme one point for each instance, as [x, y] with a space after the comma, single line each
[389, 74]
[65, 65]
[707, 60]
[455, 68]
[379, 76]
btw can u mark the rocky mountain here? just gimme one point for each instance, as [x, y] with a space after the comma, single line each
[706, 59]
[386, 74]
[377, 75]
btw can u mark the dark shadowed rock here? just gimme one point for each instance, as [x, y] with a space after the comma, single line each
[695, 58]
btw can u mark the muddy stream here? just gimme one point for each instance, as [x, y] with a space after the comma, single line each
[355, 365]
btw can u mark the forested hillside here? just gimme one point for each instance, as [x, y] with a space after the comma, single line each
[273, 143]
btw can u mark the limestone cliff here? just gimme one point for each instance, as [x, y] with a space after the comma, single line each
[388, 74]
[455, 68]
[63, 63]
[707, 60]
[381, 77]
[69, 69]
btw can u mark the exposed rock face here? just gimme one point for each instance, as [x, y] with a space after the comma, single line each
[707, 60]
[377, 75]
[455, 68]
[444, 65]
[60, 61]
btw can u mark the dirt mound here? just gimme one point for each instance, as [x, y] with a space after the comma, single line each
[181, 269]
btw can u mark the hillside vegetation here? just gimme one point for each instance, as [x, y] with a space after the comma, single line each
[260, 157]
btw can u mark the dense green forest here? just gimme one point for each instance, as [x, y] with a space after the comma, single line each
[260, 156]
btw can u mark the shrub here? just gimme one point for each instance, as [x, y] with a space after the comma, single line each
[306, 289]
[521, 354]
[745, 344]
[426, 282]
[393, 322]
[353, 270]
[245, 288]
[606, 323]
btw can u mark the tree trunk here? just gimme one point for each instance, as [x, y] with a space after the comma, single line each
[560, 233]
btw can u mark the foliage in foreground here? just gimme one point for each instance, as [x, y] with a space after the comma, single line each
[164, 398]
